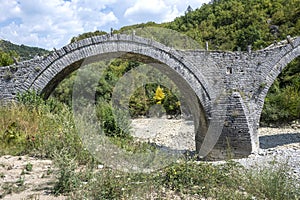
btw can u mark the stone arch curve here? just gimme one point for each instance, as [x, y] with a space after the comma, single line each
[62, 62]
[55, 67]
[290, 52]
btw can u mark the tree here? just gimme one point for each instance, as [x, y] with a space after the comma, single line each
[189, 9]
[7, 58]
[87, 35]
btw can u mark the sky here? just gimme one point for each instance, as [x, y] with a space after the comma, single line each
[52, 23]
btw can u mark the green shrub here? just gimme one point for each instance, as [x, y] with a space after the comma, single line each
[31, 99]
[19, 129]
[202, 178]
[28, 167]
[112, 184]
[40, 128]
[282, 104]
[109, 117]
[273, 182]
[6, 58]
[68, 180]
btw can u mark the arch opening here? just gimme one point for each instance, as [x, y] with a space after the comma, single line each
[191, 104]
[280, 116]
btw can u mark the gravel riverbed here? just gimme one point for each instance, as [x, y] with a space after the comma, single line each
[279, 144]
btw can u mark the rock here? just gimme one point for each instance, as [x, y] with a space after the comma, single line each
[100, 166]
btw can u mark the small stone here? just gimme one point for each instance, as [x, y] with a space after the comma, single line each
[100, 166]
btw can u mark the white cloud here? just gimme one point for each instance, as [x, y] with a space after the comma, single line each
[159, 10]
[91, 15]
[171, 14]
[155, 10]
[146, 7]
[53, 23]
[8, 9]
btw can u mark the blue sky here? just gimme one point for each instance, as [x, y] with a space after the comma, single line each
[52, 23]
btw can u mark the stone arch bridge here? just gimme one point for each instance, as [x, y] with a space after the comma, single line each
[229, 85]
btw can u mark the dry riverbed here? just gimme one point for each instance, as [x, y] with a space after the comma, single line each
[23, 177]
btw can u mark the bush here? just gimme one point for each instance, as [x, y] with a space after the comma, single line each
[202, 178]
[37, 127]
[282, 104]
[68, 180]
[273, 182]
[109, 117]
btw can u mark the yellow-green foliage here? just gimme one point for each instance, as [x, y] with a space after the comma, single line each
[19, 127]
[39, 130]
[6, 58]
[159, 95]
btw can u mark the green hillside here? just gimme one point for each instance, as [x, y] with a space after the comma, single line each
[229, 24]
[234, 24]
[21, 52]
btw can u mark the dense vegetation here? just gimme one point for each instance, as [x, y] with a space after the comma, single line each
[282, 104]
[20, 52]
[230, 24]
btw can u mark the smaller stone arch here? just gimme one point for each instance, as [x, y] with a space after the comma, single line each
[288, 53]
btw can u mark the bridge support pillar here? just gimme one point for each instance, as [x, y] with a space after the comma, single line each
[237, 138]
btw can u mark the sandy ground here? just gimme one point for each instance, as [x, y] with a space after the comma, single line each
[173, 133]
[18, 183]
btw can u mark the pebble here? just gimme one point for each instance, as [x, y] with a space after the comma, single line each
[100, 166]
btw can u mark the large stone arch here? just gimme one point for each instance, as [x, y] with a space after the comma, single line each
[69, 58]
[191, 81]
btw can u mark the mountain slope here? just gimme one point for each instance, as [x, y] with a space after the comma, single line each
[24, 52]
[234, 24]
